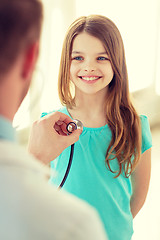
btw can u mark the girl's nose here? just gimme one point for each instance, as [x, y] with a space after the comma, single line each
[89, 68]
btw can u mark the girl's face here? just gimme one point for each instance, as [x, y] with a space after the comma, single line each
[90, 69]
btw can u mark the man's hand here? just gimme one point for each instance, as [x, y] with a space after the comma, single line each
[48, 137]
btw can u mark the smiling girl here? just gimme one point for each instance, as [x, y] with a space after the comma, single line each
[112, 159]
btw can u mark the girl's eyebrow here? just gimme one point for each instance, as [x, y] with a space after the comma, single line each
[77, 52]
[102, 53]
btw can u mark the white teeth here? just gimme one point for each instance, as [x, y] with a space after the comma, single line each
[90, 78]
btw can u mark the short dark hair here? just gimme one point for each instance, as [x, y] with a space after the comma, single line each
[20, 25]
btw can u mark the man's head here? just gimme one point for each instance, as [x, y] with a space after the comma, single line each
[20, 27]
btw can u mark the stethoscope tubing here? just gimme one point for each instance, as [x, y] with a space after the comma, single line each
[68, 167]
[74, 125]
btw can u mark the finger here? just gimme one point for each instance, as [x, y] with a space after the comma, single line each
[62, 125]
[64, 128]
[59, 130]
[61, 133]
[56, 127]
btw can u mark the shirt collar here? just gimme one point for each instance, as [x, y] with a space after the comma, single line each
[7, 132]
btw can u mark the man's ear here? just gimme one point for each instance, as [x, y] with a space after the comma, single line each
[30, 59]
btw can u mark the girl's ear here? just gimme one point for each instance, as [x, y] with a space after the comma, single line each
[30, 59]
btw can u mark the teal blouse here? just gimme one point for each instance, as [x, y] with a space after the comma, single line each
[90, 180]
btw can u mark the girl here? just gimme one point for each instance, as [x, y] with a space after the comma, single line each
[112, 159]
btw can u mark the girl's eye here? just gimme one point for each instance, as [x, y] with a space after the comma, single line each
[102, 58]
[77, 58]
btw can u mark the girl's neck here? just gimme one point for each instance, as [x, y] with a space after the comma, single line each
[89, 110]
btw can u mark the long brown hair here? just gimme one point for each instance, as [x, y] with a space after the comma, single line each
[122, 117]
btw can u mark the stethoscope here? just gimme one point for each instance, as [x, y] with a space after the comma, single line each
[76, 124]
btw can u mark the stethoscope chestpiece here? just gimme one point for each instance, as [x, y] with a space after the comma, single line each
[76, 124]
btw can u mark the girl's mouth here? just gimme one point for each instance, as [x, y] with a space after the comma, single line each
[90, 78]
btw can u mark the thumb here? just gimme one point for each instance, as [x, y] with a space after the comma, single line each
[74, 136]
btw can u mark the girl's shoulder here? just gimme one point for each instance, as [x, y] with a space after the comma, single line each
[62, 110]
[146, 133]
[145, 126]
[143, 118]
